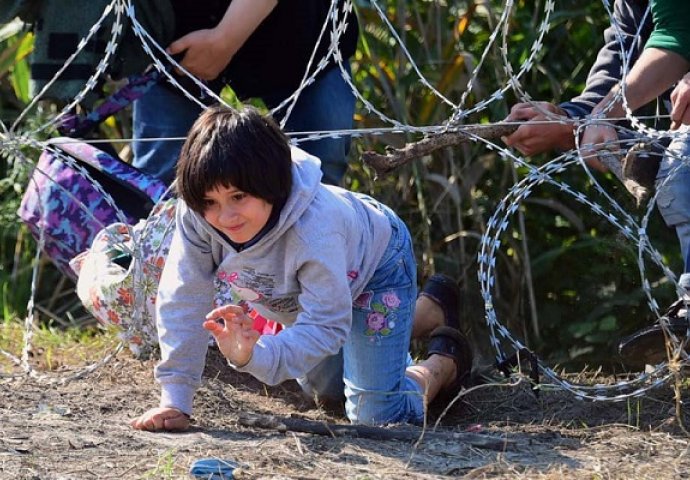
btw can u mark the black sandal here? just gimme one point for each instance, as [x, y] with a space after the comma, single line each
[444, 291]
[648, 345]
[452, 343]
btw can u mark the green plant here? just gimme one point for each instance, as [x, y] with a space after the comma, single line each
[634, 406]
[165, 468]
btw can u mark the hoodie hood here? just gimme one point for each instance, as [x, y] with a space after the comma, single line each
[306, 180]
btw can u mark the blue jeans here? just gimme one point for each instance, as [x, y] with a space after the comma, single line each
[376, 353]
[327, 104]
[673, 198]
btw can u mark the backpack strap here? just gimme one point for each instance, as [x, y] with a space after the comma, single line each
[74, 125]
[139, 183]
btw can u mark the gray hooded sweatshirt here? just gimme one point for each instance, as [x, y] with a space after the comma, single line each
[304, 273]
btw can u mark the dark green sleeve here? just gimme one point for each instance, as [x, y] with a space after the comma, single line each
[671, 26]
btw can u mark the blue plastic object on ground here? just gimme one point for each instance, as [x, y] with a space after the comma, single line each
[213, 469]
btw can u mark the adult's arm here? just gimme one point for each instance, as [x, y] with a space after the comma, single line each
[663, 62]
[654, 72]
[209, 51]
[671, 33]
[606, 71]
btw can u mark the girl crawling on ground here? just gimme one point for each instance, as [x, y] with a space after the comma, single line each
[335, 267]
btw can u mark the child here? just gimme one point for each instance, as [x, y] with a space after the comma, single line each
[335, 267]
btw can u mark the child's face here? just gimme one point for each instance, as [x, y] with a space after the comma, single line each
[238, 215]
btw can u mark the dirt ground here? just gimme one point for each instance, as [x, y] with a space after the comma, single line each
[80, 430]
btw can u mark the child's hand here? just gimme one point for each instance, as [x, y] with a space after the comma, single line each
[233, 332]
[162, 418]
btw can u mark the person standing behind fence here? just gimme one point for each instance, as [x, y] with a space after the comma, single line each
[262, 49]
[534, 137]
[664, 61]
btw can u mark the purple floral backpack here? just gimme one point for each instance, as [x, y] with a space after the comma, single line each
[76, 189]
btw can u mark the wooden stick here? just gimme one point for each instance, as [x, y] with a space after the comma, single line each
[637, 176]
[635, 171]
[383, 164]
[405, 434]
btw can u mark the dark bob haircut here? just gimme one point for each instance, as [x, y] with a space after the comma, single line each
[242, 148]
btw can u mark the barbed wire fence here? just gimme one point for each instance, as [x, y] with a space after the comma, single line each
[14, 139]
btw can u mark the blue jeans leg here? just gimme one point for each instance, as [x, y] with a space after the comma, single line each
[161, 113]
[327, 104]
[376, 353]
[371, 366]
[673, 198]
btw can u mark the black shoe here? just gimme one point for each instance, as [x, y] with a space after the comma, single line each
[450, 342]
[648, 345]
[444, 291]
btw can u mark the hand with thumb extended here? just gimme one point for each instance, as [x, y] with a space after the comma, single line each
[232, 329]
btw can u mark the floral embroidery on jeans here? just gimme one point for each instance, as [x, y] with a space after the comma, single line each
[382, 320]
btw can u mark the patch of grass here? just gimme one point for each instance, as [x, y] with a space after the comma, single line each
[165, 467]
[53, 348]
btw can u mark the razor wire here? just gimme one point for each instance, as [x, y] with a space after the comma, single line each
[490, 244]
[13, 139]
